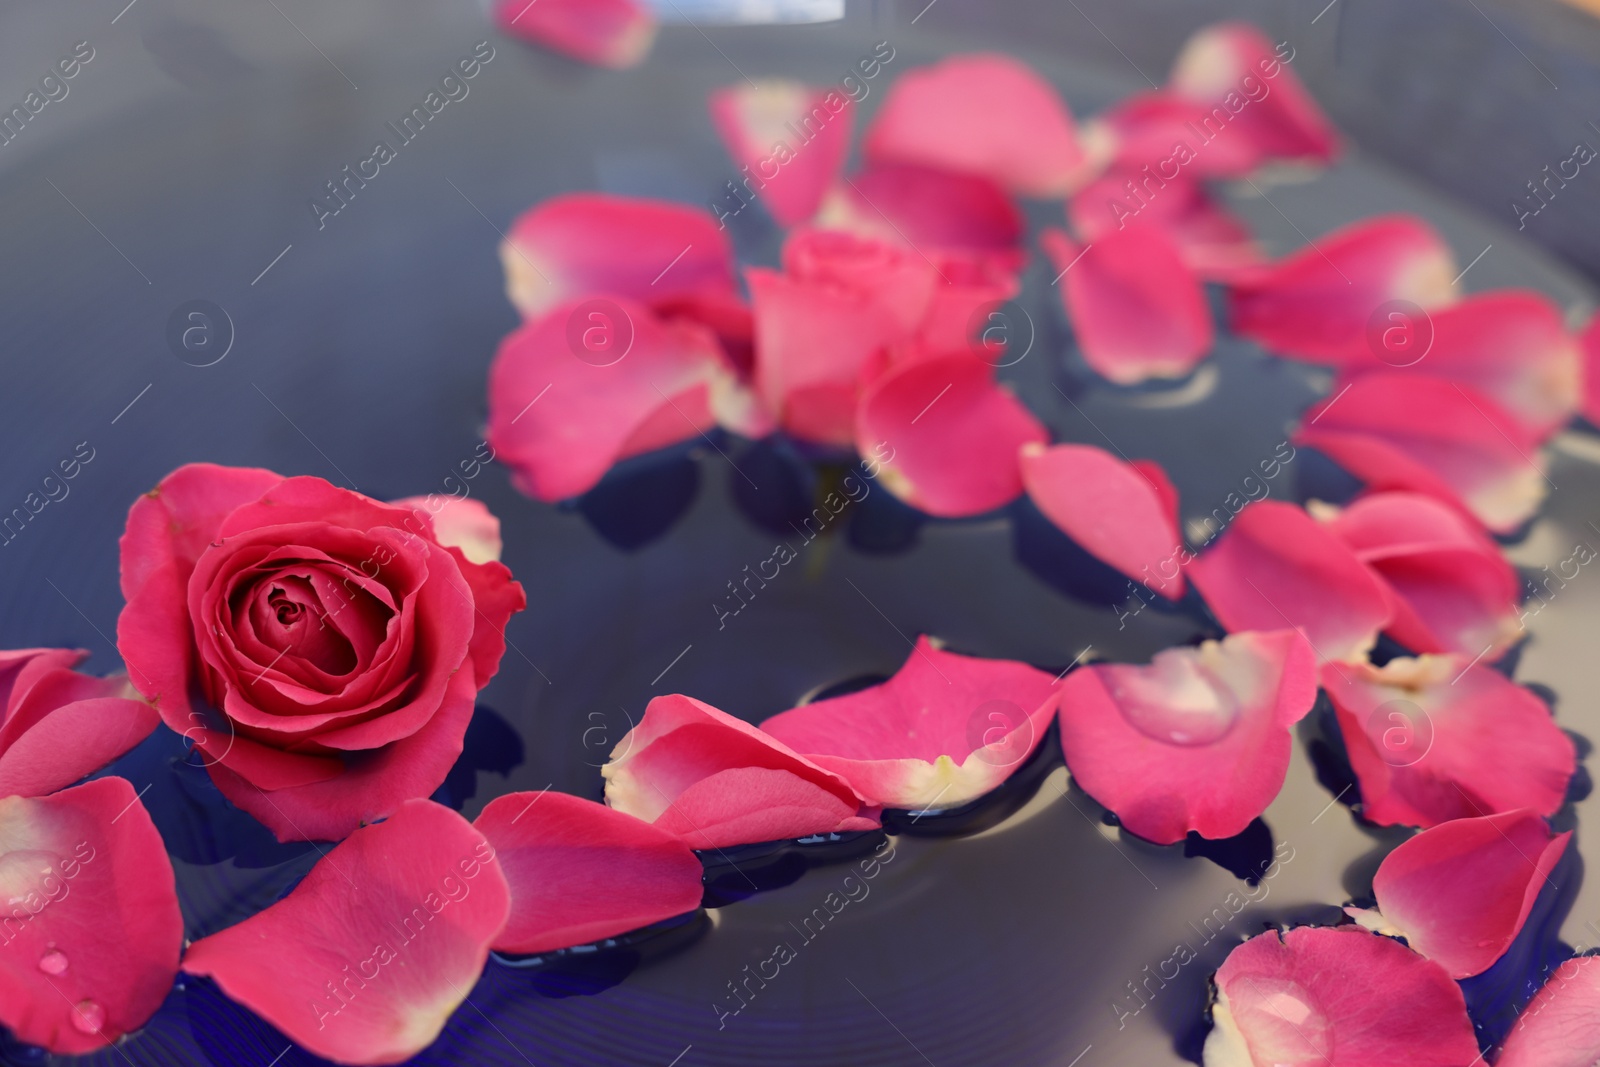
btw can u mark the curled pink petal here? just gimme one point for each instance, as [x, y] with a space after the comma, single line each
[1212, 241]
[364, 961]
[952, 435]
[1198, 740]
[1453, 589]
[790, 140]
[581, 872]
[1137, 308]
[1275, 566]
[714, 781]
[620, 382]
[983, 114]
[1460, 892]
[460, 522]
[1318, 303]
[90, 939]
[1251, 94]
[1511, 345]
[1336, 997]
[1560, 1027]
[596, 244]
[606, 33]
[1427, 435]
[58, 726]
[928, 210]
[945, 730]
[1124, 514]
[1437, 738]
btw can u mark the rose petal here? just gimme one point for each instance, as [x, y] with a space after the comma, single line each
[580, 871]
[1560, 1027]
[930, 211]
[1460, 892]
[460, 522]
[596, 244]
[1123, 514]
[366, 959]
[1166, 133]
[601, 408]
[714, 781]
[1452, 589]
[1198, 740]
[1137, 309]
[1511, 345]
[1336, 997]
[1318, 303]
[943, 731]
[90, 942]
[1212, 242]
[606, 33]
[799, 133]
[954, 435]
[1401, 431]
[1437, 738]
[1589, 342]
[1252, 95]
[72, 741]
[1275, 566]
[984, 114]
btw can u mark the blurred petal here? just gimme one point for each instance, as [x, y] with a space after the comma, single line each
[581, 872]
[789, 137]
[1444, 439]
[943, 731]
[1275, 566]
[1164, 132]
[931, 211]
[1336, 997]
[1124, 514]
[1560, 1027]
[1318, 303]
[1460, 892]
[953, 435]
[1137, 309]
[983, 114]
[1213, 242]
[1439, 737]
[460, 522]
[1198, 740]
[606, 33]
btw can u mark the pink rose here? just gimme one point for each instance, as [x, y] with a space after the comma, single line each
[322, 650]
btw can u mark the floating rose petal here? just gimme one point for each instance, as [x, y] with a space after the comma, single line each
[1511, 345]
[1460, 892]
[1160, 135]
[580, 871]
[1212, 241]
[1589, 341]
[1275, 566]
[930, 211]
[954, 433]
[1252, 95]
[1198, 740]
[90, 941]
[1137, 309]
[460, 522]
[715, 781]
[984, 114]
[945, 730]
[1124, 514]
[595, 244]
[1453, 589]
[606, 33]
[1318, 303]
[1426, 435]
[790, 138]
[57, 726]
[1336, 997]
[621, 381]
[1560, 1027]
[366, 958]
[1438, 738]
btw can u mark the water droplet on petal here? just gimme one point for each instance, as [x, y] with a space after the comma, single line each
[88, 1017]
[53, 962]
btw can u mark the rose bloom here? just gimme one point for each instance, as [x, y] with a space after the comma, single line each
[322, 650]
